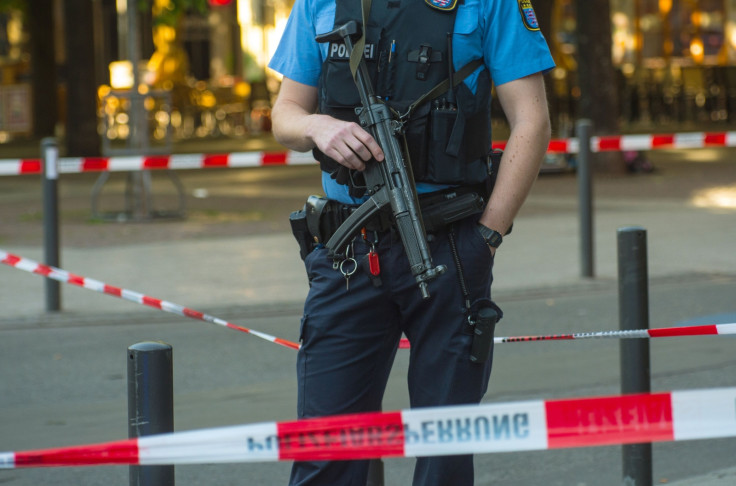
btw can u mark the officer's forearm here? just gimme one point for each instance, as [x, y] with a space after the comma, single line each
[293, 115]
[520, 165]
[293, 127]
[525, 105]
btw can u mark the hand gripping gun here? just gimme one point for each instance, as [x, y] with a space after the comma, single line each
[388, 182]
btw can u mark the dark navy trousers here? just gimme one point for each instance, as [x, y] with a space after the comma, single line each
[350, 337]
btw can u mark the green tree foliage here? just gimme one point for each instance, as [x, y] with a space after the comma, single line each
[171, 14]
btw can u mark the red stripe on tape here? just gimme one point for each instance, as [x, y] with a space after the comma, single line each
[230, 325]
[557, 146]
[116, 291]
[42, 269]
[75, 280]
[627, 419]
[715, 139]
[288, 344]
[609, 143]
[95, 164]
[30, 166]
[273, 158]
[152, 302]
[193, 313]
[160, 162]
[215, 160]
[498, 145]
[662, 140]
[684, 331]
[120, 452]
[11, 260]
[357, 436]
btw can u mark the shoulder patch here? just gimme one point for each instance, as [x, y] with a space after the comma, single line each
[444, 5]
[528, 16]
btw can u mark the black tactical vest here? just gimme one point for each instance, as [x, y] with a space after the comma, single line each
[406, 46]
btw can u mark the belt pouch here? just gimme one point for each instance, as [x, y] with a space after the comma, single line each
[443, 166]
[438, 215]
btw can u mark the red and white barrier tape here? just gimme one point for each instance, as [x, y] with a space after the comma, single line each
[704, 330]
[73, 165]
[615, 143]
[54, 273]
[475, 429]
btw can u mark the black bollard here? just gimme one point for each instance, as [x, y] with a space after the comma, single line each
[150, 404]
[635, 363]
[583, 130]
[50, 179]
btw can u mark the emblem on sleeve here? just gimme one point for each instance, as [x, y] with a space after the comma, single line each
[527, 15]
[445, 5]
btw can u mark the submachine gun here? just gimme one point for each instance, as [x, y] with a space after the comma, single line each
[388, 182]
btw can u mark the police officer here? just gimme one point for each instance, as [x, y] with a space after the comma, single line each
[353, 319]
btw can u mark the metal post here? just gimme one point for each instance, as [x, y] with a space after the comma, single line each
[138, 135]
[150, 404]
[635, 364]
[583, 130]
[50, 156]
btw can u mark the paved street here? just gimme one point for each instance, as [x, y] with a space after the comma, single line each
[62, 376]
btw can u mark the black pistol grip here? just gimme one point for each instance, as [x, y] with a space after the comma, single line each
[355, 222]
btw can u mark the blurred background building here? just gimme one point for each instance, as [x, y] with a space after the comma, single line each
[160, 71]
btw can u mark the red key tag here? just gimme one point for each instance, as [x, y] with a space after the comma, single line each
[373, 264]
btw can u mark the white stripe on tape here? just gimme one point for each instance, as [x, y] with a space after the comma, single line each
[92, 284]
[10, 167]
[172, 307]
[186, 161]
[300, 158]
[699, 415]
[132, 296]
[636, 142]
[689, 140]
[475, 429]
[70, 165]
[726, 328]
[7, 460]
[244, 159]
[118, 164]
[245, 443]
[730, 139]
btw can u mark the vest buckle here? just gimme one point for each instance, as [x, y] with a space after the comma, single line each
[424, 58]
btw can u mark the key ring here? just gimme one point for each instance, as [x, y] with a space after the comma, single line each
[355, 266]
[349, 254]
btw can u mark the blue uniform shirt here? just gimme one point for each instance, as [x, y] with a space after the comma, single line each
[500, 31]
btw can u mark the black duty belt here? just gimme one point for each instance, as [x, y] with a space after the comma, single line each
[321, 217]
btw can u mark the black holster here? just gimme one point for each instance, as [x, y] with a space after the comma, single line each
[483, 323]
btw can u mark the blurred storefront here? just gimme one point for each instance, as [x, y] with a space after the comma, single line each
[204, 75]
[16, 117]
[675, 62]
[201, 71]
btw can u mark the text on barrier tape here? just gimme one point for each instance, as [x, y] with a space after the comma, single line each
[472, 429]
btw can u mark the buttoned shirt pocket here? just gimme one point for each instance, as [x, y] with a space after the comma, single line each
[324, 22]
